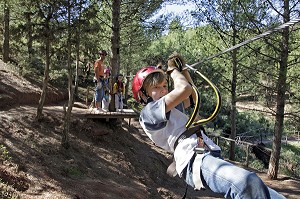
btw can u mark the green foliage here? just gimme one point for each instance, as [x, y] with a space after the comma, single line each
[59, 77]
[257, 164]
[4, 154]
[6, 192]
[33, 67]
[133, 104]
[240, 153]
[250, 125]
[290, 160]
[253, 123]
[73, 171]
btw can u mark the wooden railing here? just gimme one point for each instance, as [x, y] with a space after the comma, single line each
[238, 142]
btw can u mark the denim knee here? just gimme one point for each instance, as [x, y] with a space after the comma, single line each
[253, 187]
[99, 95]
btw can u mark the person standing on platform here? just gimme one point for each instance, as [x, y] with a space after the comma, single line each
[99, 67]
[106, 97]
[119, 92]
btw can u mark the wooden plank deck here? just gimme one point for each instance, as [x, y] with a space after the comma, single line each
[126, 113]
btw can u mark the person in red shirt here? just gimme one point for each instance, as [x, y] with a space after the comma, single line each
[99, 67]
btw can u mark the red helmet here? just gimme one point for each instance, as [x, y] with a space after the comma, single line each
[138, 80]
[107, 70]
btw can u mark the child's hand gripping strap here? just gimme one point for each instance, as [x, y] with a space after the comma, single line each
[178, 63]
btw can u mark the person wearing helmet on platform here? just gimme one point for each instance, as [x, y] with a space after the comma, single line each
[99, 67]
[197, 159]
[106, 78]
[119, 92]
[106, 98]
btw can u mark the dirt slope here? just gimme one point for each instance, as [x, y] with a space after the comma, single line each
[17, 90]
[104, 161]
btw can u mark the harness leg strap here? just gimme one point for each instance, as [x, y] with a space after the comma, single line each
[171, 171]
[196, 172]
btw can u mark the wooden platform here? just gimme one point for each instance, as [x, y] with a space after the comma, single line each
[126, 113]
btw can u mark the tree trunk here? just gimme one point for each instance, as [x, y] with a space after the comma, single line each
[29, 36]
[115, 47]
[6, 33]
[129, 63]
[280, 99]
[233, 98]
[78, 28]
[67, 119]
[77, 63]
[127, 86]
[39, 114]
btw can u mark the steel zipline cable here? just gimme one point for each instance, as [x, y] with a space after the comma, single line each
[264, 34]
[193, 116]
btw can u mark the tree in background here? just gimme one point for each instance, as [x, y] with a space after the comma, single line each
[6, 49]
[47, 13]
[115, 46]
[275, 62]
[229, 20]
[281, 87]
[67, 113]
[136, 35]
[127, 35]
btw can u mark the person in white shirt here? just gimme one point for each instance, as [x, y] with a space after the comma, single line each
[197, 158]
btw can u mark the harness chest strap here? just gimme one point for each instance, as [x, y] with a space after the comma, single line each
[203, 143]
[188, 133]
[171, 171]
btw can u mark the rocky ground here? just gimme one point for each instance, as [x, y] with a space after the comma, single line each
[105, 160]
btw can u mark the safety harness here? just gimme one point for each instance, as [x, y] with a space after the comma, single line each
[194, 127]
[180, 65]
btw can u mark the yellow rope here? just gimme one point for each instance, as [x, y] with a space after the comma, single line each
[196, 108]
[197, 103]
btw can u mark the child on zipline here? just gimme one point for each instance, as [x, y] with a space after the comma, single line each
[119, 92]
[197, 158]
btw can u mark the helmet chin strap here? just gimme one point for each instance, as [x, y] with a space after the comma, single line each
[149, 99]
[145, 99]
